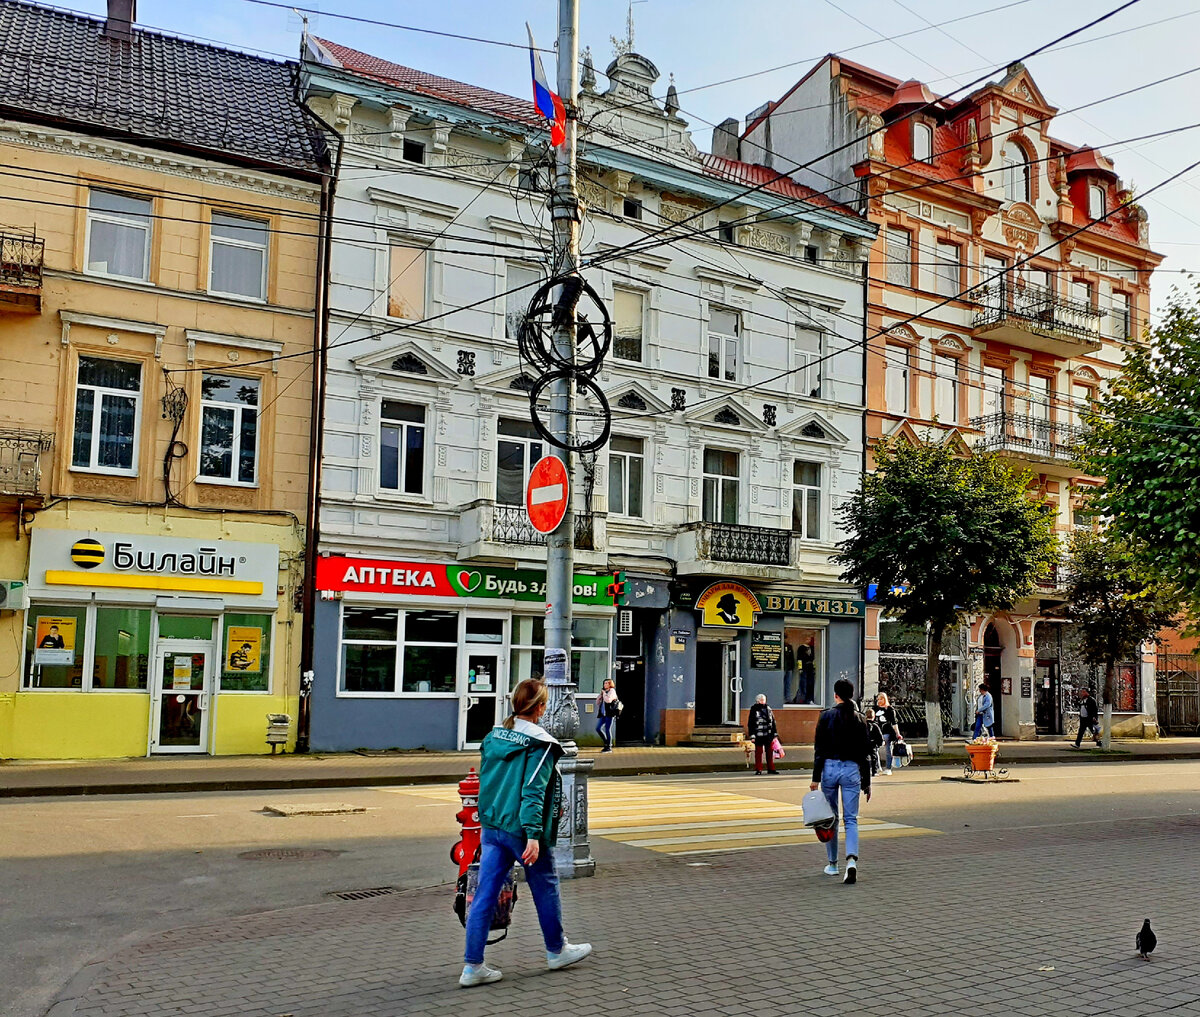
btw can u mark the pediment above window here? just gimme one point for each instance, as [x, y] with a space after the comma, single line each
[407, 360]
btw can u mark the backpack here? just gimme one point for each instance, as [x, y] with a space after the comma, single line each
[465, 888]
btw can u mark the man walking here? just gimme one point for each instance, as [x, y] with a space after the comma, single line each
[1089, 717]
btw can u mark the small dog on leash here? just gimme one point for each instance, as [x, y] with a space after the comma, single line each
[748, 748]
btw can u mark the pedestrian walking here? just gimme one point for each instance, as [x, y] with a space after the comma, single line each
[876, 733]
[760, 727]
[841, 763]
[608, 709]
[885, 716]
[1089, 717]
[520, 802]
[985, 712]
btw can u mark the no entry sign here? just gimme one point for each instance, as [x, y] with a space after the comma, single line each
[547, 494]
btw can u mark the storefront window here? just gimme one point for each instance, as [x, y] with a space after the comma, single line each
[430, 651]
[372, 641]
[527, 659]
[122, 648]
[246, 653]
[54, 644]
[589, 654]
[185, 626]
[803, 664]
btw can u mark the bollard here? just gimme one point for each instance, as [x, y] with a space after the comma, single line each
[463, 853]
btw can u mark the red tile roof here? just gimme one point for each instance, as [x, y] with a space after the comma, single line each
[749, 174]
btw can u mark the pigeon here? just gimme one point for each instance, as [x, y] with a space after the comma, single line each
[1146, 941]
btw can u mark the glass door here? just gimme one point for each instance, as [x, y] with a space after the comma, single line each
[732, 698]
[182, 684]
[485, 683]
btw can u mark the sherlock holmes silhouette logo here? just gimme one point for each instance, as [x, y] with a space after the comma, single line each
[730, 605]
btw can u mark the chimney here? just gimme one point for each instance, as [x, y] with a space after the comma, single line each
[725, 139]
[121, 16]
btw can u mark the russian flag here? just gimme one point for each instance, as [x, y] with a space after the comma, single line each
[546, 102]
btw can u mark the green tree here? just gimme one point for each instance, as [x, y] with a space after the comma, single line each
[1116, 603]
[1143, 437]
[944, 537]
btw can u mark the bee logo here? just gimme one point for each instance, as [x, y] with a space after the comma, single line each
[87, 553]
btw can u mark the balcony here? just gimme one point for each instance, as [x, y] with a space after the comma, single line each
[493, 530]
[21, 452]
[1035, 318]
[756, 551]
[21, 260]
[1031, 439]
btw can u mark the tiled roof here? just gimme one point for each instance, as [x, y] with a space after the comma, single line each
[456, 92]
[749, 174]
[60, 67]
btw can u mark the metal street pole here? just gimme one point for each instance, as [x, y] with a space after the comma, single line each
[572, 851]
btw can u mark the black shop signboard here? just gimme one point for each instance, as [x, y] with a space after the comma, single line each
[766, 651]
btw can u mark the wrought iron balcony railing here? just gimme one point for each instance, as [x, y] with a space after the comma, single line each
[510, 525]
[1007, 432]
[21, 453]
[753, 545]
[21, 259]
[1037, 309]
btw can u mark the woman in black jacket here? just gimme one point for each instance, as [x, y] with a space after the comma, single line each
[841, 761]
[760, 727]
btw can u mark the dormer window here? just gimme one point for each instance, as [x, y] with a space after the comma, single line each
[632, 209]
[413, 151]
[1015, 171]
[1096, 203]
[922, 142]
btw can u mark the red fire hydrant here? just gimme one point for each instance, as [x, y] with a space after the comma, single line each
[463, 853]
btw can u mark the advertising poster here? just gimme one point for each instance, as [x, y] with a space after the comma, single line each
[181, 671]
[54, 640]
[243, 649]
[766, 651]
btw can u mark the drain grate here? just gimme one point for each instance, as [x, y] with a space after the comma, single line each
[287, 854]
[375, 891]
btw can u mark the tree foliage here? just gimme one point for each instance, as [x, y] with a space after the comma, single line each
[944, 537]
[1143, 437]
[1116, 603]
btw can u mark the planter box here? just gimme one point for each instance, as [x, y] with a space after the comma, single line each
[983, 757]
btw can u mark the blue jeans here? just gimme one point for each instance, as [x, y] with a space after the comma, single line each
[499, 850]
[839, 773]
[607, 724]
[979, 726]
[887, 751]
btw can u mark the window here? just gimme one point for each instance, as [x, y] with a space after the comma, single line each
[229, 428]
[520, 282]
[627, 325]
[122, 652]
[723, 330]
[589, 651]
[626, 468]
[413, 151]
[808, 356]
[803, 663]
[631, 208]
[945, 396]
[725, 232]
[401, 447]
[246, 653]
[107, 394]
[1014, 168]
[1040, 395]
[118, 241]
[948, 269]
[895, 379]
[1097, 205]
[54, 644]
[1122, 316]
[720, 486]
[806, 499]
[922, 142]
[1081, 292]
[406, 282]
[994, 396]
[238, 256]
[812, 254]
[385, 650]
[899, 257]
[995, 280]
[518, 448]
[1082, 397]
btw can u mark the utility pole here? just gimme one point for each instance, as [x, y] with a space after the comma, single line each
[572, 850]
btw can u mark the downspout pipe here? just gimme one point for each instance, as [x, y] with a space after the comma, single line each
[866, 290]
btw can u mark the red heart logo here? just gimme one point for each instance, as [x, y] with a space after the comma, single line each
[469, 580]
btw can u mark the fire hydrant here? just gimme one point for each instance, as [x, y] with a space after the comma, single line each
[463, 853]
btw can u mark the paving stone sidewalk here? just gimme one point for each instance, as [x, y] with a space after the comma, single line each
[1031, 922]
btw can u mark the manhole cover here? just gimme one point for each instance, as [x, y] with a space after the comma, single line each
[376, 891]
[287, 854]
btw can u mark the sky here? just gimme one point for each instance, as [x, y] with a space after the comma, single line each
[703, 42]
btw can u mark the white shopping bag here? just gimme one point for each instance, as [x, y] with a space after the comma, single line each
[817, 810]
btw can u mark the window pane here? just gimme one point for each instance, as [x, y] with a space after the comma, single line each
[430, 668]
[119, 374]
[510, 472]
[720, 462]
[896, 379]
[635, 486]
[122, 648]
[620, 444]
[709, 511]
[227, 388]
[806, 473]
[389, 457]
[431, 627]
[731, 359]
[184, 626]
[118, 418]
[403, 411]
[723, 322]
[528, 630]
[85, 408]
[368, 668]
[216, 442]
[233, 227]
[121, 204]
[238, 270]
[406, 282]
[246, 653]
[798, 511]
[946, 394]
[714, 357]
[813, 531]
[525, 663]
[414, 460]
[485, 630]
[591, 632]
[517, 428]
[616, 484]
[627, 312]
[898, 256]
[249, 446]
[729, 501]
[117, 249]
[378, 623]
[54, 638]
[516, 304]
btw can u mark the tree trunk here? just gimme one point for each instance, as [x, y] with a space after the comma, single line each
[1110, 691]
[933, 694]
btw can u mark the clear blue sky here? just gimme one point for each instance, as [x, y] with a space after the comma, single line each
[704, 41]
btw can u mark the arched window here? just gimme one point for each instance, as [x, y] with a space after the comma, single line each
[922, 142]
[1096, 202]
[1015, 169]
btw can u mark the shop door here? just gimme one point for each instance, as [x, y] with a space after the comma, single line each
[1047, 706]
[485, 681]
[631, 690]
[710, 682]
[183, 670]
[731, 697]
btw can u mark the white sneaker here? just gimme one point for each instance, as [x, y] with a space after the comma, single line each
[571, 953]
[478, 975]
[887, 773]
[831, 869]
[851, 871]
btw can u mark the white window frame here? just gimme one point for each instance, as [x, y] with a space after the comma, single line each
[626, 458]
[238, 408]
[724, 343]
[1016, 174]
[530, 460]
[424, 258]
[1122, 314]
[641, 337]
[1097, 202]
[899, 257]
[942, 284]
[922, 152]
[946, 371]
[117, 219]
[893, 367]
[806, 490]
[989, 391]
[722, 482]
[100, 392]
[398, 644]
[215, 241]
[808, 362]
[402, 460]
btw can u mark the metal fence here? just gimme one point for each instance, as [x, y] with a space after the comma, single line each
[511, 525]
[1178, 693]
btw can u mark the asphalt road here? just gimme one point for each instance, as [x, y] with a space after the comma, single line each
[81, 877]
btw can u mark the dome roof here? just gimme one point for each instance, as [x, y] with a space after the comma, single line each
[1089, 160]
[909, 95]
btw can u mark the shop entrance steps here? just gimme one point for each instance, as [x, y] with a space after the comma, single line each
[717, 734]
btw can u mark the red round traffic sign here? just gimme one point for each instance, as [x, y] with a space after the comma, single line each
[547, 494]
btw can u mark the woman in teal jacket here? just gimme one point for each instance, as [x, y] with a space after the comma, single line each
[520, 800]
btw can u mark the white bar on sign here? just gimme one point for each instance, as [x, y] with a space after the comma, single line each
[541, 495]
